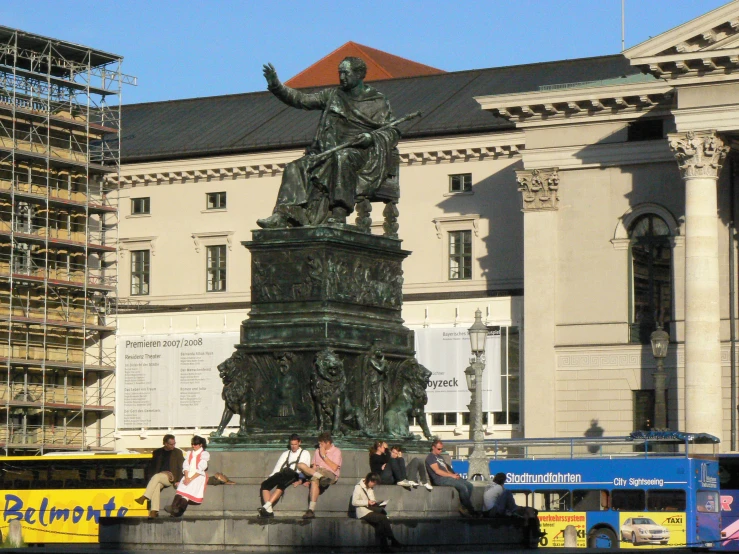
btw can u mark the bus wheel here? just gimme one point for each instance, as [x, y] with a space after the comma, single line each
[603, 538]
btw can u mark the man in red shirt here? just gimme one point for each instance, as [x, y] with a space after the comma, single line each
[324, 470]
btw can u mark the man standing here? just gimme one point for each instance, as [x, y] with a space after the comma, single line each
[165, 469]
[285, 473]
[323, 471]
[442, 475]
[316, 188]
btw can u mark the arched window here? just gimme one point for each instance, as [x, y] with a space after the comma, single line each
[651, 276]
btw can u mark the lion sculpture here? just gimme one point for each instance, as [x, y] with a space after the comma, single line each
[327, 386]
[237, 390]
[409, 402]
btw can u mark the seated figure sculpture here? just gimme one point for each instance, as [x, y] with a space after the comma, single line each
[324, 185]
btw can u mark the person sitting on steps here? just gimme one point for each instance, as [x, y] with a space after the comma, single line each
[165, 469]
[368, 509]
[191, 489]
[284, 474]
[324, 470]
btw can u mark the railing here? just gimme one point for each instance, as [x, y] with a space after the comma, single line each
[56, 394]
[644, 445]
[71, 272]
[57, 188]
[56, 148]
[18, 435]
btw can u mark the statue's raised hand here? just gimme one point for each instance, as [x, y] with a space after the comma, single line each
[270, 73]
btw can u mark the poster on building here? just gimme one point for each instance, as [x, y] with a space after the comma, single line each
[445, 352]
[171, 380]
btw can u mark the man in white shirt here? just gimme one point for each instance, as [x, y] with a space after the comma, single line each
[284, 474]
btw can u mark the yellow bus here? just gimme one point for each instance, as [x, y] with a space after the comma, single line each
[60, 498]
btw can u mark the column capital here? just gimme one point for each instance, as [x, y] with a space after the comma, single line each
[698, 153]
[539, 189]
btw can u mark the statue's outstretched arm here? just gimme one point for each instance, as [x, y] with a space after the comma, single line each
[292, 97]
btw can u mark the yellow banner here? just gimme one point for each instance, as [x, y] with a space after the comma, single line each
[67, 516]
[646, 530]
[555, 523]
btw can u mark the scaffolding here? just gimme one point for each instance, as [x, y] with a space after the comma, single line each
[59, 161]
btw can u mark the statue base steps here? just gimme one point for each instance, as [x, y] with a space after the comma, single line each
[286, 534]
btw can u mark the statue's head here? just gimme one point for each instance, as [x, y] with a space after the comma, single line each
[352, 72]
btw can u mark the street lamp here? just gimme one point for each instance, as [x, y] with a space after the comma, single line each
[478, 461]
[660, 341]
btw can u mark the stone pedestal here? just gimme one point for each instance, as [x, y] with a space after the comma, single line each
[327, 286]
[324, 348]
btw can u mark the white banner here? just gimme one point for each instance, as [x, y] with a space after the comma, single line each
[446, 354]
[171, 380]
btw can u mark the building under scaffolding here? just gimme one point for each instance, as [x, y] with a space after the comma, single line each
[59, 131]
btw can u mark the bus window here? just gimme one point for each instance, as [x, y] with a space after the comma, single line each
[552, 501]
[627, 501]
[589, 500]
[666, 501]
[523, 498]
[707, 501]
[728, 472]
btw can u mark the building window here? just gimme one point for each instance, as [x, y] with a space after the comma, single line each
[466, 418]
[510, 376]
[460, 255]
[216, 269]
[140, 206]
[140, 272]
[447, 418]
[461, 182]
[647, 129]
[215, 201]
[651, 276]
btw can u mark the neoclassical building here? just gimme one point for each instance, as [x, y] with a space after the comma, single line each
[579, 204]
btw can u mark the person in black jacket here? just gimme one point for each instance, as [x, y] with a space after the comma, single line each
[165, 469]
[392, 470]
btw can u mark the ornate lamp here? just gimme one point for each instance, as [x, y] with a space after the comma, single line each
[660, 340]
[478, 333]
[479, 465]
[469, 374]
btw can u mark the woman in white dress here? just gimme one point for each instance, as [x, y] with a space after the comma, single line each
[191, 489]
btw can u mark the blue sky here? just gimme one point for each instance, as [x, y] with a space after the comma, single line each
[187, 48]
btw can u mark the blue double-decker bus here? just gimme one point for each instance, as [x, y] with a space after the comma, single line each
[648, 490]
[728, 473]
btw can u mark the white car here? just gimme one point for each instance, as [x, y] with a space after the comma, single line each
[642, 530]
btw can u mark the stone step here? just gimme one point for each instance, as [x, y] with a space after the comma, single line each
[285, 534]
[244, 500]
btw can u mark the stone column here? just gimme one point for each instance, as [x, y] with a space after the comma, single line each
[699, 155]
[540, 203]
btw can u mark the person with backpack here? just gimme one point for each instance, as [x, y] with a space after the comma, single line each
[284, 474]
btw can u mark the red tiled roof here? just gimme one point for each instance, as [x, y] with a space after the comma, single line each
[380, 65]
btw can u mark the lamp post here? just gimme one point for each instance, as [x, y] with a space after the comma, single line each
[479, 464]
[660, 341]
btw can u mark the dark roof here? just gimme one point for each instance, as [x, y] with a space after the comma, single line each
[240, 123]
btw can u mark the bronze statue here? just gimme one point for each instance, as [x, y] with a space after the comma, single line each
[351, 155]
[238, 394]
[374, 376]
[327, 387]
[409, 402]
